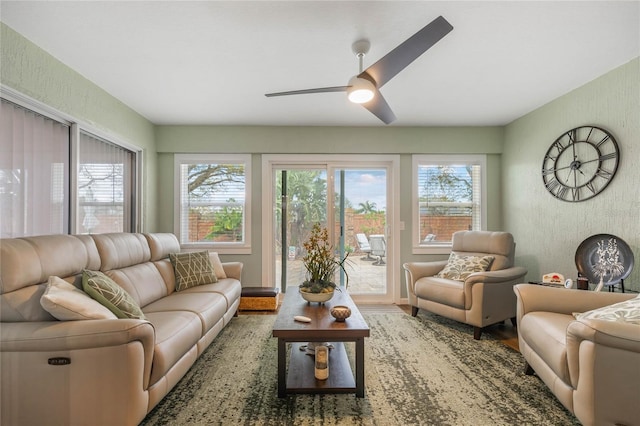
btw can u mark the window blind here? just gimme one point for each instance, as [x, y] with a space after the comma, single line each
[34, 173]
[106, 189]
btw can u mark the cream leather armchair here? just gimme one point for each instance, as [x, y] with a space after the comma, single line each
[483, 298]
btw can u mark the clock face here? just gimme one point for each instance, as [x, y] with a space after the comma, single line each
[580, 163]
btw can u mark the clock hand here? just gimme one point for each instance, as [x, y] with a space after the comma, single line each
[590, 161]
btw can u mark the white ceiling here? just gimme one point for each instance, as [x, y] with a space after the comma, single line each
[211, 62]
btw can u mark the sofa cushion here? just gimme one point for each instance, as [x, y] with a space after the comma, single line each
[107, 292]
[460, 267]
[627, 312]
[546, 334]
[230, 288]
[192, 269]
[67, 303]
[209, 307]
[177, 332]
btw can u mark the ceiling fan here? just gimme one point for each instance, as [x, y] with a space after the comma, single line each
[364, 88]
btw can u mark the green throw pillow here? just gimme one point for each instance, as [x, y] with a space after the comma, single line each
[103, 289]
[192, 269]
[460, 267]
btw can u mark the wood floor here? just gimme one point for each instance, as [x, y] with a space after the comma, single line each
[506, 333]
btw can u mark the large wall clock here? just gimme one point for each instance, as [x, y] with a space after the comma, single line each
[580, 163]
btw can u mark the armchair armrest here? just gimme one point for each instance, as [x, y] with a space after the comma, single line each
[509, 275]
[533, 297]
[416, 270]
[233, 269]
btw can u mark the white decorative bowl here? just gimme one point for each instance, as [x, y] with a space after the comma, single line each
[316, 297]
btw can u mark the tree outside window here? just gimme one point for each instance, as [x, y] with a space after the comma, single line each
[213, 199]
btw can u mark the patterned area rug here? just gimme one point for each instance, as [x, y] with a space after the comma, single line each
[419, 371]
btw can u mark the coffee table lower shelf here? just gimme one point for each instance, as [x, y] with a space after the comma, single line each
[301, 373]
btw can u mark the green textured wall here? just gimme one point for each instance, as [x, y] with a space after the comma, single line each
[31, 71]
[548, 231]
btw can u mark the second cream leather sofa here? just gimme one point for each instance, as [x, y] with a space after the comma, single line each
[591, 365]
[101, 372]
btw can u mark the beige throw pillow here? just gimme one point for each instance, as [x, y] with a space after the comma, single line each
[460, 267]
[218, 269]
[192, 269]
[627, 312]
[67, 303]
[103, 289]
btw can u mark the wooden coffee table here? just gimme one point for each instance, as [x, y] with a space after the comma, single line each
[299, 377]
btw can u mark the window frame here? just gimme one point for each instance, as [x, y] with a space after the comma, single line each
[75, 127]
[135, 188]
[418, 246]
[243, 247]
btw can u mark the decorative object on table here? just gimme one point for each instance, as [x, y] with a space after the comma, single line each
[340, 312]
[322, 363]
[310, 347]
[568, 283]
[553, 278]
[604, 259]
[583, 282]
[580, 163]
[321, 265]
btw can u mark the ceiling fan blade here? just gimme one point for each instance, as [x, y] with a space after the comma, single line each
[307, 91]
[399, 58]
[379, 107]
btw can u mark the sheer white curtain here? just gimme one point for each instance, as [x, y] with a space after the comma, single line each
[106, 190]
[34, 173]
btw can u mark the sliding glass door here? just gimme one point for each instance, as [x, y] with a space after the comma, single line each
[351, 199]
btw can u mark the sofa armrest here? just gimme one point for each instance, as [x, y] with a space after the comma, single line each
[533, 297]
[233, 269]
[611, 334]
[71, 335]
[510, 275]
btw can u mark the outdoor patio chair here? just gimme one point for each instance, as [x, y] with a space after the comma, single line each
[364, 247]
[378, 248]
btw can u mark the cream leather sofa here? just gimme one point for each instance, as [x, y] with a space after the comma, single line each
[591, 365]
[482, 298]
[118, 369]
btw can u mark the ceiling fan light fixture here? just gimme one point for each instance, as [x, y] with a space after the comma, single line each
[360, 90]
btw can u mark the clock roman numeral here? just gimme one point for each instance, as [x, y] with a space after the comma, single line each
[549, 171]
[605, 139]
[572, 135]
[589, 134]
[575, 193]
[561, 191]
[609, 156]
[604, 174]
[558, 145]
[552, 184]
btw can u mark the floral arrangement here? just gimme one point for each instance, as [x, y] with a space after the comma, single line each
[320, 262]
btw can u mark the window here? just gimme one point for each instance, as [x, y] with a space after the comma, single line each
[447, 197]
[213, 201]
[106, 186]
[57, 178]
[34, 173]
